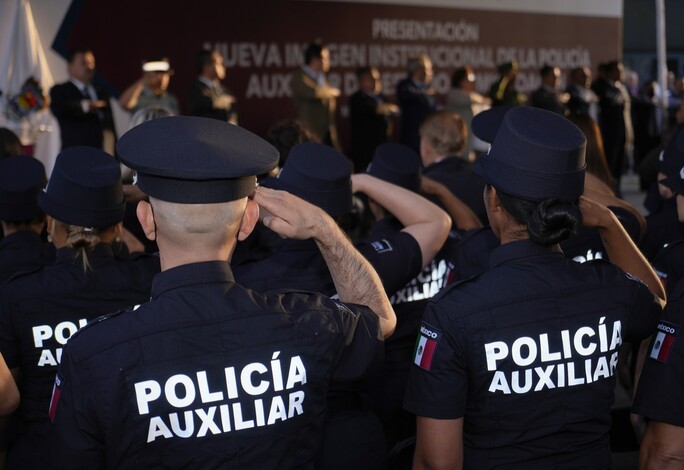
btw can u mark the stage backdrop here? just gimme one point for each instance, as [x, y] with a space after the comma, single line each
[262, 42]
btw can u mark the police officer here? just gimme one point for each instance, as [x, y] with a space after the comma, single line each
[400, 165]
[41, 310]
[658, 397]
[21, 180]
[209, 374]
[515, 368]
[352, 436]
[662, 225]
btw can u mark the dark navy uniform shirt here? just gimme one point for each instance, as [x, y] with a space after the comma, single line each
[587, 245]
[526, 353]
[207, 375]
[669, 265]
[458, 175]
[40, 311]
[298, 264]
[659, 394]
[662, 227]
[23, 251]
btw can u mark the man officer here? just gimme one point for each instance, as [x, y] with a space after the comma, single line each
[208, 373]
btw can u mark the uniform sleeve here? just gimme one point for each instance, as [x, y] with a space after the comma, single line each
[9, 342]
[438, 379]
[396, 258]
[73, 437]
[645, 311]
[362, 349]
[659, 396]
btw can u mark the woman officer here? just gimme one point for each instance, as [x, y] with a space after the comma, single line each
[515, 368]
[39, 311]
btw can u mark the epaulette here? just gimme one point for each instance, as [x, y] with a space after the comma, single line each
[101, 318]
[451, 287]
[135, 256]
[20, 274]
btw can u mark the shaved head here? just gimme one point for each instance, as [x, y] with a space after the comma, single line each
[210, 224]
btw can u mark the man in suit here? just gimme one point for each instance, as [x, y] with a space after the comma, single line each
[207, 97]
[81, 108]
[314, 98]
[546, 96]
[416, 99]
[369, 117]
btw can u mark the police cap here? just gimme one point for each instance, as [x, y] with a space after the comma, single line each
[536, 155]
[84, 189]
[396, 164]
[194, 160]
[21, 180]
[672, 163]
[318, 174]
[486, 124]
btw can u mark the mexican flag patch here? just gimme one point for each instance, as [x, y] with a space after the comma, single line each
[663, 341]
[426, 344]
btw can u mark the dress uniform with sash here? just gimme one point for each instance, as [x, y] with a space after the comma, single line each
[208, 374]
[21, 180]
[41, 310]
[526, 353]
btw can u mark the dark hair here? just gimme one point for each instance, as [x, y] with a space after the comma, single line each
[204, 57]
[313, 51]
[284, 135]
[546, 70]
[10, 145]
[74, 52]
[548, 222]
[459, 75]
[361, 71]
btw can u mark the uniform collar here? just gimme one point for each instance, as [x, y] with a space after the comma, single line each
[22, 236]
[205, 272]
[101, 251]
[520, 249]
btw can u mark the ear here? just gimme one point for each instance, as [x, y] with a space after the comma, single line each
[494, 203]
[249, 219]
[146, 218]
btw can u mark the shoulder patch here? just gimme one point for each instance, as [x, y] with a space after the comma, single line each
[426, 344]
[663, 341]
[632, 277]
[382, 246]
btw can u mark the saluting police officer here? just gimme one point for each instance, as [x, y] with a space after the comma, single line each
[41, 310]
[658, 396]
[352, 435]
[21, 180]
[515, 368]
[209, 374]
[400, 165]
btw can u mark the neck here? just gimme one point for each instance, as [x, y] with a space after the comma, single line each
[171, 256]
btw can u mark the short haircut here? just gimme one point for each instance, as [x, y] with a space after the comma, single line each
[460, 74]
[313, 51]
[445, 132]
[416, 62]
[74, 52]
[205, 57]
[546, 70]
[361, 71]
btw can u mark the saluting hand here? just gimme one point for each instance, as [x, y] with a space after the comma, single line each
[594, 214]
[289, 216]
